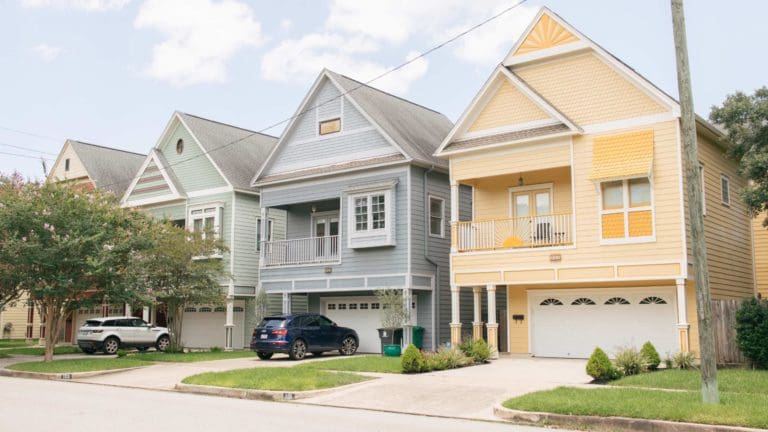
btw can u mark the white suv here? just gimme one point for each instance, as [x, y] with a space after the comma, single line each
[109, 334]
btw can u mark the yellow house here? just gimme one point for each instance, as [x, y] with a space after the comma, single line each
[576, 233]
[760, 241]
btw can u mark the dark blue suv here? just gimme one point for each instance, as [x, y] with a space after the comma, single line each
[296, 335]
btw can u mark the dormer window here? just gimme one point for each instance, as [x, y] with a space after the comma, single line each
[66, 164]
[329, 126]
[180, 146]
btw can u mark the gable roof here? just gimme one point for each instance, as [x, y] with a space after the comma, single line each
[109, 168]
[237, 152]
[415, 131]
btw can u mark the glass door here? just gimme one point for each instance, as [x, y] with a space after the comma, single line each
[532, 216]
[326, 234]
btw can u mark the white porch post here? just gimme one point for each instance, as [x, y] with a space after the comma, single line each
[477, 323]
[230, 324]
[455, 316]
[127, 310]
[262, 233]
[407, 327]
[454, 215]
[682, 315]
[492, 326]
[145, 313]
[286, 302]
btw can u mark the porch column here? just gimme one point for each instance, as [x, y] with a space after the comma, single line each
[407, 327]
[455, 316]
[230, 324]
[263, 231]
[492, 326]
[682, 316]
[128, 309]
[145, 313]
[286, 302]
[454, 215]
[477, 323]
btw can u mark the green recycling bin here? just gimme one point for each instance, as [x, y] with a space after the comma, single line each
[418, 336]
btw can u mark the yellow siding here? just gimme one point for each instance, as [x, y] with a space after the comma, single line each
[727, 229]
[517, 160]
[649, 270]
[16, 314]
[546, 33]
[529, 275]
[587, 90]
[761, 254]
[508, 106]
[491, 201]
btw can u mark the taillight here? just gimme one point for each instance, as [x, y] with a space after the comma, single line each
[254, 333]
[280, 332]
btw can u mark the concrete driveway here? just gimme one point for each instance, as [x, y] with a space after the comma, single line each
[467, 393]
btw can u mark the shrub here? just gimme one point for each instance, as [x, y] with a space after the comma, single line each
[600, 367]
[630, 361]
[122, 353]
[650, 355]
[412, 360]
[684, 360]
[216, 349]
[752, 331]
[478, 350]
[668, 362]
[445, 358]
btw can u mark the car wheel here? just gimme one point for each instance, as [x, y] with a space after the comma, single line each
[264, 355]
[298, 350]
[163, 343]
[348, 346]
[111, 345]
[142, 349]
[317, 353]
[88, 350]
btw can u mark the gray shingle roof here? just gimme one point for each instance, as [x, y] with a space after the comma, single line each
[110, 168]
[416, 129]
[507, 137]
[237, 161]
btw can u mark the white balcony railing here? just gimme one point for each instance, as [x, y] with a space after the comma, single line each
[521, 232]
[312, 250]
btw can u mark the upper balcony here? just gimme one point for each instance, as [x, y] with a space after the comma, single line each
[531, 209]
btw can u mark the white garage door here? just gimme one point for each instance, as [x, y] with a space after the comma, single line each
[363, 314]
[571, 323]
[203, 326]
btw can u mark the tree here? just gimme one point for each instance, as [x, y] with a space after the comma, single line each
[67, 249]
[745, 119]
[10, 280]
[181, 269]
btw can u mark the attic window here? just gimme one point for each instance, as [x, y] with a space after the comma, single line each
[66, 164]
[329, 126]
[180, 146]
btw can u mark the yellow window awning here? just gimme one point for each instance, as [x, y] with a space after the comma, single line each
[622, 155]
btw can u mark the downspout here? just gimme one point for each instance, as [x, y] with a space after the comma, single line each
[436, 288]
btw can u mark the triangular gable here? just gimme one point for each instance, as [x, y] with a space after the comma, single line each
[545, 33]
[500, 97]
[76, 167]
[325, 95]
[153, 183]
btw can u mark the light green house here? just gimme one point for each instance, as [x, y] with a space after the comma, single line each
[197, 175]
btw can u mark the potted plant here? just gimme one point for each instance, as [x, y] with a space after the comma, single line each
[393, 318]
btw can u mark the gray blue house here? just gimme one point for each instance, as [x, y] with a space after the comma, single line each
[355, 202]
[198, 176]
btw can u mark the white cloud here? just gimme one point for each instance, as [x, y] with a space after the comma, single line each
[47, 53]
[201, 37]
[286, 24]
[86, 5]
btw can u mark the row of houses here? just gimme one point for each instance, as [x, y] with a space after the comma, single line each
[551, 218]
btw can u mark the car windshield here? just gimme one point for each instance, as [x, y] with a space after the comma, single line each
[272, 322]
[92, 323]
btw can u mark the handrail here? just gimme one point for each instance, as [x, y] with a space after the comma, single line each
[303, 251]
[553, 229]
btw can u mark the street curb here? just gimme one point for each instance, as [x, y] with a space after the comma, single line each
[63, 376]
[267, 395]
[608, 423]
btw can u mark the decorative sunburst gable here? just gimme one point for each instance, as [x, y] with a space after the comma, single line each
[546, 33]
[153, 183]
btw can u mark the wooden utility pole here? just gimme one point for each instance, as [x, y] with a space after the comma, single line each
[709, 391]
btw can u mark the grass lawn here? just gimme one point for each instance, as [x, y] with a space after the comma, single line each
[2, 355]
[13, 343]
[38, 351]
[276, 378]
[359, 364]
[729, 380]
[191, 357]
[77, 365]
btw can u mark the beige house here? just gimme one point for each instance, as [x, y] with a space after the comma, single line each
[760, 241]
[88, 166]
[578, 215]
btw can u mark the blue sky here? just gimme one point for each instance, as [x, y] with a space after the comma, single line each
[112, 72]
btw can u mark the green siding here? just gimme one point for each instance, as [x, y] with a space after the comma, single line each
[246, 257]
[193, 169]
[225, 227]
[172, 212]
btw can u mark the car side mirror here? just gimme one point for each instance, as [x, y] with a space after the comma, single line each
[334, 325]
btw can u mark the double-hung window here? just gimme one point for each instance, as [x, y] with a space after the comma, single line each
[258, 232]
[436, 217]
[626, 212]
[206, 220]
[370, 216]
[725, 189]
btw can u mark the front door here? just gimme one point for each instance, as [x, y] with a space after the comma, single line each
[531, 210]
[325, 229]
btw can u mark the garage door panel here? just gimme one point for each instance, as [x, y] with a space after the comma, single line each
[362, 314]
[204, 327]
[566, 323]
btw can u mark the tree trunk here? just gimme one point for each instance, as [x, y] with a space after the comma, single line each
[51, 329]
[175, 318]
[709, 391]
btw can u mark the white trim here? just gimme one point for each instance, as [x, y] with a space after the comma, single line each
[505, 129]
[231, 253]
[430, 197]
[335, 179]
[207, 192]
[626, 209]
[552, 52]
[327, 280]
[218, 217]
[153, 200]
[409, 213]
[683, 225]
[485, 148]
[629, 123]
[324, 214]
[540, 101]
[573, 195]
[332, 173]
[702, 177]
[269, 230]
[682, 301]
[389, 218]
[725, 190]
[512, 251]
[511, 191]
[151, 157]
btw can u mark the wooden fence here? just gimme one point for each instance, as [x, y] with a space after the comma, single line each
[724, 312]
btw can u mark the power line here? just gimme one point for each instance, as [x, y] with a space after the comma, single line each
[19, 131]
[27, 149]
[25, 156]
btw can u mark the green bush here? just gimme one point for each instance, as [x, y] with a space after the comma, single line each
[477, 349]
[752, 331]
[445, 358]
[668, 362]
[412, 360]
[122, 353]
[651, 356]
[216, 349]
[684, 360]
[630, 361]
[600, 367]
